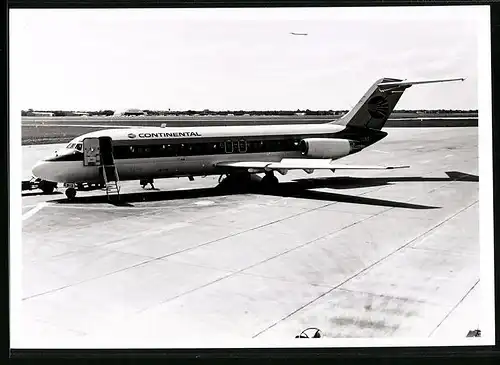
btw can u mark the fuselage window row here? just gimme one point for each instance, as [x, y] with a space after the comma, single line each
[208, 148]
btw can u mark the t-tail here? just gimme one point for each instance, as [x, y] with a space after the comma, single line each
[375, 107]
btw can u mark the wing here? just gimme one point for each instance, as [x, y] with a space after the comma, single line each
[307, 165]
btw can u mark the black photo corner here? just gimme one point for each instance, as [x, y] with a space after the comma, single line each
[441, 355]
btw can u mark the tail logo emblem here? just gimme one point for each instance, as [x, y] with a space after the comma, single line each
[131, 135]
[378, 107]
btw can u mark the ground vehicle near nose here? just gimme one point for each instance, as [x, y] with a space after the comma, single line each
[36, 183]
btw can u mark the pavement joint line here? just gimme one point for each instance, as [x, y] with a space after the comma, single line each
[369, 267]
[251, 229]
[232, 273]
[87, 280]
[142, 233]
[254, 228]
[29, 206]
[162, 257]
[464, 253]
[213, 241]
[454, 307]
[35, 210]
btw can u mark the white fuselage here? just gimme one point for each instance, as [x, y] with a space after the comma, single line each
[67, 167]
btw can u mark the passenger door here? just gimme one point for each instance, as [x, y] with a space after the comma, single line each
[91, 152]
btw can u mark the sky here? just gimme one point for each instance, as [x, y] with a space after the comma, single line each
[231, 59]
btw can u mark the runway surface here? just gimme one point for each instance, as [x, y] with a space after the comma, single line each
[360, 254]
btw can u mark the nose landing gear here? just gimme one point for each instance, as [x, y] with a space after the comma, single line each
[70, 193]
[145, 182]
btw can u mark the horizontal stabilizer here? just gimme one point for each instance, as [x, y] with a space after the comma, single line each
[301, 164]
[405, 84]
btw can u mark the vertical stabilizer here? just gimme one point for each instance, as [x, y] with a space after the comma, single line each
[375, 107]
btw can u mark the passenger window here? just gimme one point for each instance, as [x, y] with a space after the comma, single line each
[261, 147]
[229, 147]
[198, 149]
[181, 150]
[169, 150]
[242, 146]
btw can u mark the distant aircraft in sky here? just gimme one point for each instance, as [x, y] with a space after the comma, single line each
[295, 33]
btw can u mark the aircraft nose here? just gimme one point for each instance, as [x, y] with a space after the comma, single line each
[40, 170]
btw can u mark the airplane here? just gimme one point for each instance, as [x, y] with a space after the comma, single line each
[104, 157]
[295, 33]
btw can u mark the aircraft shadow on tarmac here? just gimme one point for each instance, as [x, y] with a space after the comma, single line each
[299, 188]
[35, 193]
[345, 182]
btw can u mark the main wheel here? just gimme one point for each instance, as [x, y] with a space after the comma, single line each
[235, 182]
[70, 193]
[269, 181]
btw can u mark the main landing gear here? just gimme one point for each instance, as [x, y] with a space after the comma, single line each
[269, 180]
[245, 180]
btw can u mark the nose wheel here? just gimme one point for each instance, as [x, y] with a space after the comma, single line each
[145, 182]
[70, 193]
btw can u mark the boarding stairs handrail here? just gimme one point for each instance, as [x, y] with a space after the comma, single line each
[112, 186]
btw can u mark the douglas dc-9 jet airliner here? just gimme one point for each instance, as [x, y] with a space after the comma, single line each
[103, 158]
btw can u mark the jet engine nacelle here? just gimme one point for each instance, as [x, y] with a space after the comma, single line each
[326, 147]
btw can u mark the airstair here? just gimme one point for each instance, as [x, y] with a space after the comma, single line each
[108, 168]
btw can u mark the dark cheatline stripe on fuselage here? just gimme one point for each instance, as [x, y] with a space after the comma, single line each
[168, 147]
[75, 156]
[159, 141]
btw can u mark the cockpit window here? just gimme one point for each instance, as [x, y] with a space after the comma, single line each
[78, 147]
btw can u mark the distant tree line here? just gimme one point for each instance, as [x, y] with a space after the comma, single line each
[67, 113]
[205, 112]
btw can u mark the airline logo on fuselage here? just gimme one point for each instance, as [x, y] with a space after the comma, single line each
[166, 134]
